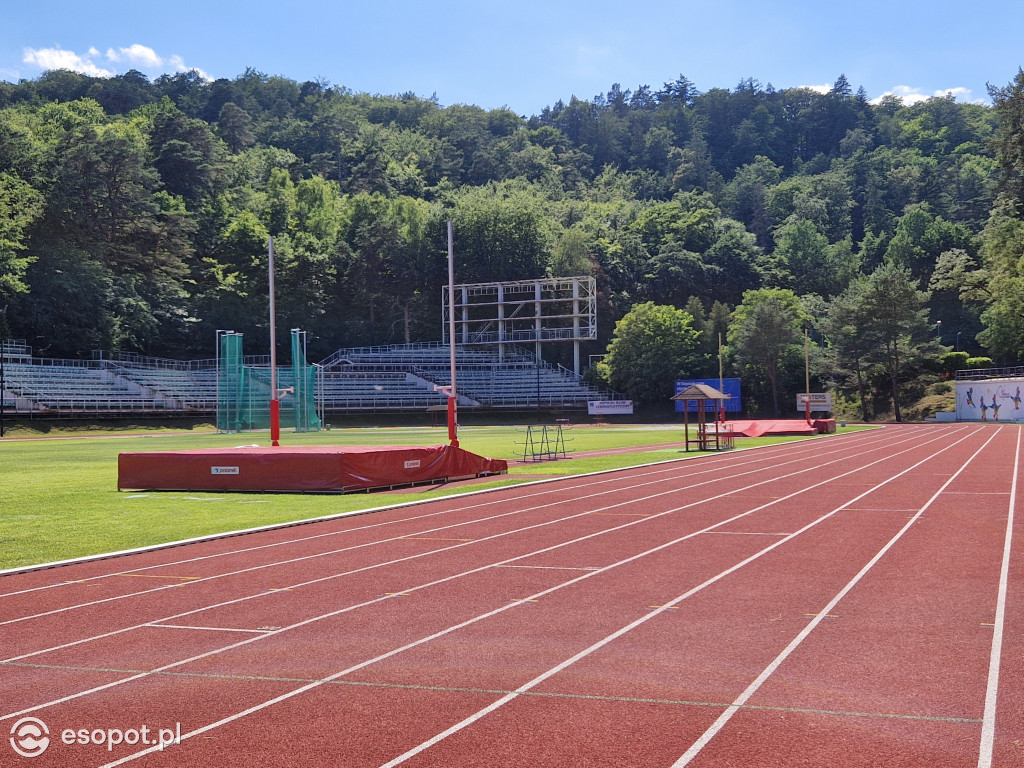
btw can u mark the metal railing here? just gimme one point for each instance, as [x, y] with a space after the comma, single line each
[968, 374]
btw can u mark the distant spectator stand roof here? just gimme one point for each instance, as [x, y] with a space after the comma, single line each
[701, 392]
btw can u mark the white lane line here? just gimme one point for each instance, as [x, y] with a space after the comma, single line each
[629, 627]
[660, 480]
[209, 629]
[742, 699]
[584, 480]
[388, 654]
[443, 549]
[988, 724]
[630, 524]
[551, 567]
[704, 467]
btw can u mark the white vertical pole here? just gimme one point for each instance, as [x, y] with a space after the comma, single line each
[275, 423]
[273, 323]
[452, 398]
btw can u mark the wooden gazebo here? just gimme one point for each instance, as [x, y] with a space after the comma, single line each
[716, 437]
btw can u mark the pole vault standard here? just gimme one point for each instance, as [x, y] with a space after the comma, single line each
[453, 426]
[807, 376]
[275, 403]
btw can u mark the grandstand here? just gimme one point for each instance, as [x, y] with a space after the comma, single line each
[397, 378]
[514, 379]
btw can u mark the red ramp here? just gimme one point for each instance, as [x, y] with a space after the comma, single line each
[300, 468]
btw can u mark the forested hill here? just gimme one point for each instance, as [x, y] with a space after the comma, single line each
[134, 214]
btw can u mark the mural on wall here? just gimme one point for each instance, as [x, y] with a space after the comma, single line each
[993, 400]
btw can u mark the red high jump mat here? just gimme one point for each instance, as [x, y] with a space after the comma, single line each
[779, 427]
[300, 468]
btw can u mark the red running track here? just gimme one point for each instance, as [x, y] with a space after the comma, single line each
[847, 601]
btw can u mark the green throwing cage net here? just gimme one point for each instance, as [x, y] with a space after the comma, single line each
[304, 377]
[244, 392]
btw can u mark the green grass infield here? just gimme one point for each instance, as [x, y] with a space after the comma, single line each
[59, 497]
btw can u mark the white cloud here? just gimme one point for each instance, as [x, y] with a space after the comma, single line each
[911, 95]
[57, 58]
[179, 66]
[960, 94]
[817, 88]
[135, 56]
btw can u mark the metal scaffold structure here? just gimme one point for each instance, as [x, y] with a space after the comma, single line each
[558, 309]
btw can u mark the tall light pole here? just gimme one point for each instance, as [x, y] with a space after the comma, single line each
[958, 340]
[938, 330]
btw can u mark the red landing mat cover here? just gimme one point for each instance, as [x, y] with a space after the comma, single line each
[302, 468]
[773, 427]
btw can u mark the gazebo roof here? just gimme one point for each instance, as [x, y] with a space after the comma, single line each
[701, 392]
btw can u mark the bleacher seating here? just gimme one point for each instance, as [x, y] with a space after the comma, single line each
[515, 379]
[374, 379]
[192, 390]
[341, 390]
[64, 388]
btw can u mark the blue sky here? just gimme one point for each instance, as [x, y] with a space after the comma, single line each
[528, 54]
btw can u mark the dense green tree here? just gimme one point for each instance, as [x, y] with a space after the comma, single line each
[1008, 103]
[158, 198]
[896, 317]
[653, 345]
[187, 156]
[764, 327]
[235, 127]
[1003, 260]
[501, 233]
[1003, 237]
[813, 265]
[850, 341]
[572, 254]
[20, 206]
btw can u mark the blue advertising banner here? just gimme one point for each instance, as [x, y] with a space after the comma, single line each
[729, 387]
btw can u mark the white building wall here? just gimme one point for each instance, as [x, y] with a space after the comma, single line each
[997, 400]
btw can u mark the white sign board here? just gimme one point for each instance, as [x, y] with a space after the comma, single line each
[990, 400]
[609, 407]
[820, 401]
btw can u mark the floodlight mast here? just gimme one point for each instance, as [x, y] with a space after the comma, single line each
[275, 403]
